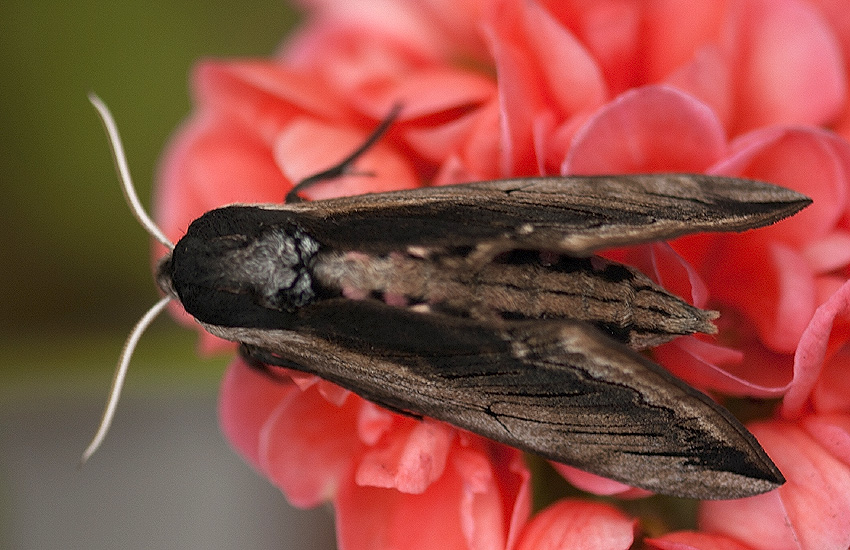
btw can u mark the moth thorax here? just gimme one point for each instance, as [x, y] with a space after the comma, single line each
[275, 266]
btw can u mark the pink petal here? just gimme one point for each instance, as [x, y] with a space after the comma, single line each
[453, 171]
[830, 253]
[838, 19]
[519, 96]
[787, 62]
[201, 171]
[465, 508]
[833, 432]
[567, 71]
[753, 520]
[612, 32]
[596, 484]
[515, 481]
[369, 65]
[813, 162]
[459, 20]
[332, 393]
[772, 286]
[483, 145]
[796, 300]
[399, 25]
[262, 95]
[578, 525]
[429, 96]
[437, 90]
[690, 540]
[413, 457]
[811, 351]
[812, 509]
[842, 125]
[307, 446]
[212, 345]
[303, 380]
[373, 422]
[827, 286]
[437, 143]
[707, 77]
[652, 129]
[710, 366]
[549, 145]
[832, 392]
[479, 474]
[544, 72]
[676, 33]
[477, 145]
[248, 397]
[663, 264]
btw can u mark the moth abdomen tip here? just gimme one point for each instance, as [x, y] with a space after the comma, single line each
[708, 316]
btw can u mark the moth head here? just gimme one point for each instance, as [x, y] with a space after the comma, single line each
[238, 264]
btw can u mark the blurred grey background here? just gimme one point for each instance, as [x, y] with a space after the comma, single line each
[76, 277]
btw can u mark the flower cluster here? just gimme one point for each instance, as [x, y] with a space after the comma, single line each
[501, 88]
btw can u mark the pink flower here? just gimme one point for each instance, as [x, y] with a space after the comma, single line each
[578, 525]
[810, 510]
[500, 88]
[395, 481]
[687, 540]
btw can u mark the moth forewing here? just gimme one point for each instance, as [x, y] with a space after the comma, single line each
[575, 214]
[559, 389]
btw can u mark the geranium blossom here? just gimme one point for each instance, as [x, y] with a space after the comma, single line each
[502, 88]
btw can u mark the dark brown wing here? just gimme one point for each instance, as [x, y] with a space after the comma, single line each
[574, 215]
[559, 389]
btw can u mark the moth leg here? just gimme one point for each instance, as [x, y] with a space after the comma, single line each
[343, 166]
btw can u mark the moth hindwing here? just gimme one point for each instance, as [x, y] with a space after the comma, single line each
[481, 305]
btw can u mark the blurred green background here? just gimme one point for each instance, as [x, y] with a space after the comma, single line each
[76, 262]
[77, 276]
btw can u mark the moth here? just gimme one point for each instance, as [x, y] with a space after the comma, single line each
[484, 306]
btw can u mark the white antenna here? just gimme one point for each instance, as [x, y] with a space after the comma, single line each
[120, 374]
[124, 173]
[151, 227]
